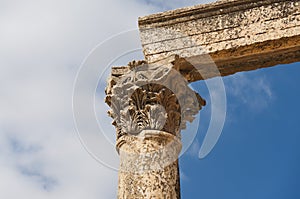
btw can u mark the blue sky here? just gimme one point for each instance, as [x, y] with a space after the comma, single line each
[42, 47]
[258, 153]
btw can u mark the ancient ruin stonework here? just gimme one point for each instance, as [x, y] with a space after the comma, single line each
[150, 100]
[149, 166]
[150, 104]
[151, 97]
[239, 35]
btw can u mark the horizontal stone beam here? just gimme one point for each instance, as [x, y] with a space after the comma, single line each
[239, 35]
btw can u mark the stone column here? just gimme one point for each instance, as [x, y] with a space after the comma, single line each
[149, 166]
[150, 104]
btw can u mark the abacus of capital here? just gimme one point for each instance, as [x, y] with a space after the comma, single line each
[151, 101]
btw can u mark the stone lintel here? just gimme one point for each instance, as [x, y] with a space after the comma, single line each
[239, 35]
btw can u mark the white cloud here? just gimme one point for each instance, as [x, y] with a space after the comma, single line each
[253, 92]
[173, 4]
[42, 46]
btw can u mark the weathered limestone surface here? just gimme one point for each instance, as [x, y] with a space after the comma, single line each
[150, 104]
[150, 100]
[151, 96]
[149, 166]
[239, 35]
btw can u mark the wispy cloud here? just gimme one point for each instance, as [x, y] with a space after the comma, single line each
[42, 46]
[254, 92]
[173, 4]
[46, 183]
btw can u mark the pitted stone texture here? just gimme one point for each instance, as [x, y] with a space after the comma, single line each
[149, 166]
[150, 185]
[151, 97]
[236, 35]
[151, 150]
[150, 104]
[231, 32]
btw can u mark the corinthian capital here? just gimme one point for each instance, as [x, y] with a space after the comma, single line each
[151, 97]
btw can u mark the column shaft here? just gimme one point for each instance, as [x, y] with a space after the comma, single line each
[149, 166]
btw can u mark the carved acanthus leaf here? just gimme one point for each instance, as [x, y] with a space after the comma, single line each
[154, 97]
